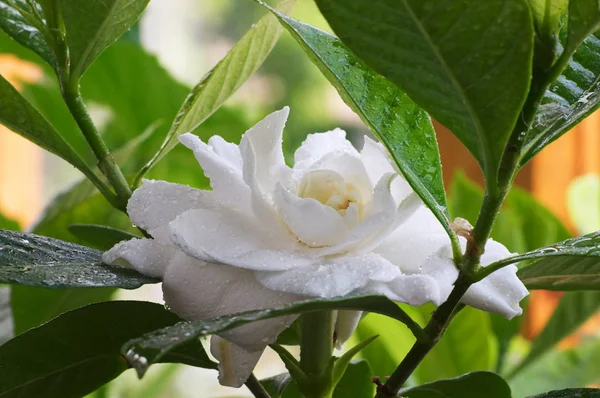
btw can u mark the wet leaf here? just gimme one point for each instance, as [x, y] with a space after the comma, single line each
[404, 128]
[571, 393]
[155, 345]
[467, 63]
[33, 260]
[77, 352]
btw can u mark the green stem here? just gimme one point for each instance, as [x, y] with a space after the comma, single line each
[316, 349]
[106, 162]
[256, 388]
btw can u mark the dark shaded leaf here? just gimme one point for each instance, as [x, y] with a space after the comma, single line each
[99, 236]
[471, 385]
[155, 345]
[403, 127]
[76, 353]
[571, 393]
[33, 260]
[467, 63]
[18, 28]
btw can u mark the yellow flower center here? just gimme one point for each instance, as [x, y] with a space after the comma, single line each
[329, 188]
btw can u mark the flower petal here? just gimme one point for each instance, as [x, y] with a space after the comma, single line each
[345, 325]
[156, 203]
[410, 289]
[146, 256]
[196, 290]
[232, 238]
[331, 278]
[500, 292]
[235, 363]
[222, 168]
[317, 145]
[350, 168]
[314, 223]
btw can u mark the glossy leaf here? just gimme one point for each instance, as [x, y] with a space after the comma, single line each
[93, 25]
[573, 367]
[573, 264]
[224, 79]
[99, 236]
[573, 310]
[20, 116]
[471, 385]
[76, 353]
[356, 382]
[570, 99]
[467, 63]
[155, 345]
[404, 128]
[33, 260]
[571, 393]
[22, 31]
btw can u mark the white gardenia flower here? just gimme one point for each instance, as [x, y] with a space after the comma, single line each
[339, 221]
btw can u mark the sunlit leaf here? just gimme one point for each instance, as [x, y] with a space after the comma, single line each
[471, 385]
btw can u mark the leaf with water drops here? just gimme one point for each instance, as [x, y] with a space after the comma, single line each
[402, 126]
[32, 260]
[576, 92]
[573, 264]
[467, 63]
[77, 352]
[571, 393]
[155, 345]
[22, 31]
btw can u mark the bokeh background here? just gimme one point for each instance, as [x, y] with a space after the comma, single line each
[133, 91]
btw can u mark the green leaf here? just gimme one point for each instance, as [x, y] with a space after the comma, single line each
[224, 79]
[155, 345]
[404, 128]
[546, 15]
[583, 202]
[6, 319]
[584, 19]
[33, 306]
[467, 63]
[471, 385]
[6, 223]
[276, 385]
[574, 367]
[466, 346]
[571, 393]
[572, 311]
[76, 353]
[33, 260]
[356, 382]
[342, 363]
[93, 25]
[570, 99]
[20, 116]
[99, 236]
[573, 264]
[22, 31]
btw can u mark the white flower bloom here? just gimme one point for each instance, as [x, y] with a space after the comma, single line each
[339, 221]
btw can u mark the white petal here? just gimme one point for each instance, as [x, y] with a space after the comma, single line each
[156, 203]
[146, 256]
[228, 237]
[352, 170]
[227, 151]
[318, 145]
[334, 277]
[414, 241]
[221, 168]
[345, 325]
[195, 290]
[378, 162]
[410, 289]
[314, 223]
[500, 292]
[235, 363]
